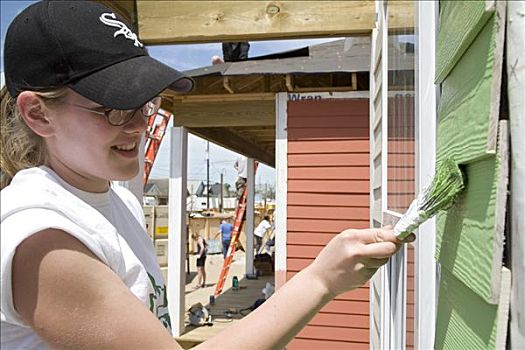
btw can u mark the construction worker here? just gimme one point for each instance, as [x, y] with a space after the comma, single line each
[225, 230]
[242, 175]
[260, 231]
[78, 269]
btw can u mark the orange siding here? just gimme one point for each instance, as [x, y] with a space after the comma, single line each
[328, 191]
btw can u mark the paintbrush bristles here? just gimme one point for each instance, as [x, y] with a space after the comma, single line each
[445, 186]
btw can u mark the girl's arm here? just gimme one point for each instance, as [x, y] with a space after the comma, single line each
[73, 300]
[347, 262]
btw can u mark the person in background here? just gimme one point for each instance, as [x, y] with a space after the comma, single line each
[260, 231]
[202, 251]
[225, 230]
[242, 174]
[78, 270]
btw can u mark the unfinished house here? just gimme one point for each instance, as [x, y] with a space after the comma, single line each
[354, 133]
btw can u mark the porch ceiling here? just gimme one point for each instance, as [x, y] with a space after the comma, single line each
[240, 123]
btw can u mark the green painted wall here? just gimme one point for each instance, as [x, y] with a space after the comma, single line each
[469, 243]
[453, 40]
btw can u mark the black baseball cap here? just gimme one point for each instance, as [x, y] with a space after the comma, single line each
[87, 47]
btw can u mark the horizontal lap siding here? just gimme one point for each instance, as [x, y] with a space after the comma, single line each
[328, 191]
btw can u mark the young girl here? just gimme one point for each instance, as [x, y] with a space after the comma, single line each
[77, 267]
[202, 252]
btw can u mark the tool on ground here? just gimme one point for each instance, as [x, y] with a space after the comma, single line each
[237, 226]
[199, 315]
[446, 185]
[154, 135]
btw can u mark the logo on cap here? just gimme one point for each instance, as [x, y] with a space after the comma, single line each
[124, 30]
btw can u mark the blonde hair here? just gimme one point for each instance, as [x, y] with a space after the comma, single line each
[20, 147]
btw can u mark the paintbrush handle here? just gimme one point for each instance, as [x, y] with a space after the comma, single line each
[410, 221]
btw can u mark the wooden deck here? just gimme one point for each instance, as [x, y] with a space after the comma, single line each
[229, 300]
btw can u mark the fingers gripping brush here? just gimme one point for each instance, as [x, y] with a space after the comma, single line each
[447, 183]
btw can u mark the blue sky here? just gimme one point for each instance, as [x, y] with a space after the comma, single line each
[184, 57]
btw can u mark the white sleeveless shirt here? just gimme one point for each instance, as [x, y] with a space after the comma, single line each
[110, 224]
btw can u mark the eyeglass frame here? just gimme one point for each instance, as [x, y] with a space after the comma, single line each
[129, 115]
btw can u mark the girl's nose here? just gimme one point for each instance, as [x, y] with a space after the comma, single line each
[137, 124]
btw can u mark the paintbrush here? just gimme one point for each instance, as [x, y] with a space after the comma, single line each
[447, 183]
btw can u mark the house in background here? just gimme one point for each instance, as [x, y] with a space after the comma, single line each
[276, 116]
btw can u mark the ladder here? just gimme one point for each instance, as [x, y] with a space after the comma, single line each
[236, 232]
[154, 135]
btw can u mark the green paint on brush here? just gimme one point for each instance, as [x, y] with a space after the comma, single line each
[447, 183]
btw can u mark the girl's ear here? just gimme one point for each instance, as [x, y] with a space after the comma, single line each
[35, 114]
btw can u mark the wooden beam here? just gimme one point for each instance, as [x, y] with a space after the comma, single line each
[164, 22]
[221, 114]
[401, 16]
[222, 97]
[230, 140]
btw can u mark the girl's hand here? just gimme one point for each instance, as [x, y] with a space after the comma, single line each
[352, 257]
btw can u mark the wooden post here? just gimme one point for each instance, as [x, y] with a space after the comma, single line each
[516, 91]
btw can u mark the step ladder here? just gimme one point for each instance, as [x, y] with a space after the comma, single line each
[236, 232]
[154, 135]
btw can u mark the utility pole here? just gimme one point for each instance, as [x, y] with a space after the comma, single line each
[208, 176]
[222, 195]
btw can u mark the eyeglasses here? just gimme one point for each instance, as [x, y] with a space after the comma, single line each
[118, 117]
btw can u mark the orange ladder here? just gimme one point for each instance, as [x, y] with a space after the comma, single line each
[154, 135]
[236, 232]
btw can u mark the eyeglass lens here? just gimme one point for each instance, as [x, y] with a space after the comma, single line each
[120, 117]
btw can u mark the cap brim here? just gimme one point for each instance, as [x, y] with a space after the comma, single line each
[131, 83]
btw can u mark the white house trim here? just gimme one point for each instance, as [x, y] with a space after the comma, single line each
[250, 210]
[281, 184]
[177, 227]
[425, 293]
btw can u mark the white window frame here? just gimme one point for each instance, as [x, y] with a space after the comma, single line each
[392, 277]
[426, 278]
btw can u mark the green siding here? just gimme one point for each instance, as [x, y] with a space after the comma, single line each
[464, 320]
[465, 108]
[469, 243]
[466, 236]
[464, 21]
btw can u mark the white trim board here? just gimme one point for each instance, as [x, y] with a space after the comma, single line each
[425, 273]
[281, 182]
[177, 228]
